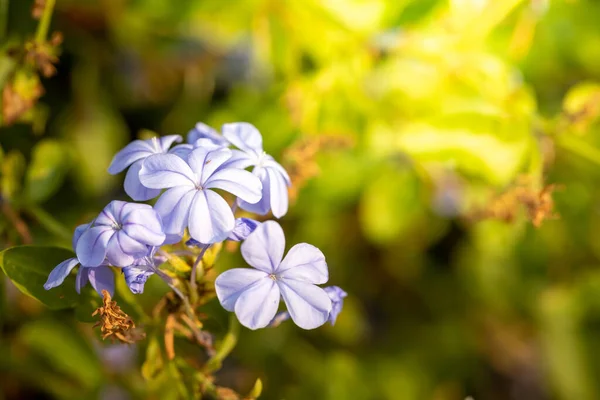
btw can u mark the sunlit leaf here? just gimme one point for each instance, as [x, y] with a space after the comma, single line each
[28, 268]
[45, 174]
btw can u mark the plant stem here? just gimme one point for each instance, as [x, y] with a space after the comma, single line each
[195, 267]
[44, 25]
[226, 346]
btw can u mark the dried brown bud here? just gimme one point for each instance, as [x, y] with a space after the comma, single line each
[114, 323]
[300, 159]
[19, 96]
[38, 9]
[539, 205]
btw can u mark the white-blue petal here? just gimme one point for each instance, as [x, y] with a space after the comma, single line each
[134, 151]
[308, 305]
[91, 246]
[232, 283]
[133, 186]
[244, 136]
[163, 171]
[211, 219]
[102, 278]
[278, 193]
[60, 272]
[174, 209]
[263, 248]
[304, 262]
[257, 305]
[238, 182]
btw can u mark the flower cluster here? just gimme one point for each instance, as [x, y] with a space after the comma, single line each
[184, 177]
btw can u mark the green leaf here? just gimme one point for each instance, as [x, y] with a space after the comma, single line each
[28, 268]
[45, 175]
[488, 147]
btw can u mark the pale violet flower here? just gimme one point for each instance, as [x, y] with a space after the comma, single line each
[120, 234]
[190, 200]
[138, 273]
[275, 180]
[203, 131]
[254, 294]
[100, 277]
[132, 156]
[337, 295]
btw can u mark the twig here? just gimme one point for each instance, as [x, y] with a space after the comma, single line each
[44, 25]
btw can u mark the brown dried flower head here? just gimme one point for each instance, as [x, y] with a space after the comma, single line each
[114, 323]
[300, 158]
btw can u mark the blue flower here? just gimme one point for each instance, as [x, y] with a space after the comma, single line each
[254, 294]
[203, 131]
[275, 180]
[138, 273]
[100, 277]
[120, 234]
[189, 200]
[336, 294]
[132, 156]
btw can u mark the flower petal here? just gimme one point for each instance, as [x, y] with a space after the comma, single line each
[144, 225]
[182, 150]
[304, 262]
[271, 163]
[167, 141]
[78, 232]
[211, 219]
[136, 278]
[123, 250]
[102, 278]
[257, 305]
[308, 305]
[91, 246]
[163, 171]
[174, 209]
[243, 228]
[232, 283]
[278, 193]
[240, 160]
[263, 206]
[336, 295]
[244, 136]
[263, 248]
[203, 131]
[134, 151]
[111, 214]
[238, 182]
[133, 186]
[82, 279]
[204, 162]
[60, 272]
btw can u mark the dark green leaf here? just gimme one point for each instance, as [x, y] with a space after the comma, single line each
[28, 268]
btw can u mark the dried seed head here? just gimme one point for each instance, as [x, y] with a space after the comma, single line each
[114, 323]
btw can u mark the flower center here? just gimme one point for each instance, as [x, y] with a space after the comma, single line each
[117, 226]
[273, 276]
[261, 159]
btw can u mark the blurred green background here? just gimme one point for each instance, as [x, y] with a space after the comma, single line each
[420, 136]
